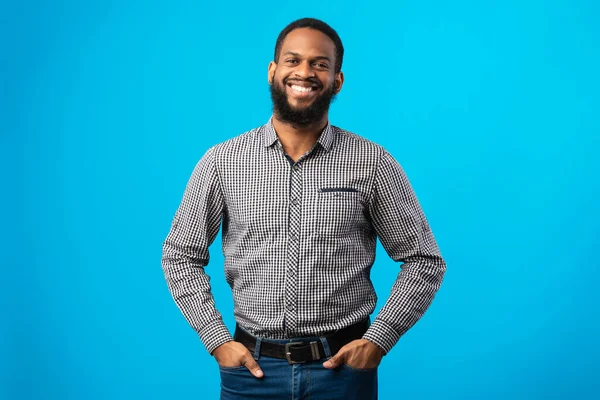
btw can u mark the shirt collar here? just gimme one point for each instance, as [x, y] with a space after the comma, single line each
[325, 139]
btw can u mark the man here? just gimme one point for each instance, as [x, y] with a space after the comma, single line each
[301, 203]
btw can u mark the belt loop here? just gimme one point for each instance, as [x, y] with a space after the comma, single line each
[325, 346]
[257, 348]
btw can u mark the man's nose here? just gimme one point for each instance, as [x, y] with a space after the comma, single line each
[304, 70]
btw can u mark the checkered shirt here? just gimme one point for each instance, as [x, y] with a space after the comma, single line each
[299, 239]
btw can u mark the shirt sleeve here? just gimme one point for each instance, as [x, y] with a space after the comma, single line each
[185, 252]
[406, 236]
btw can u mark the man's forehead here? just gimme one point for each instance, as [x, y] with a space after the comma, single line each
[308, 42]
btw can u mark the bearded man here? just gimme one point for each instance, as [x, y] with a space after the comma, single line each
[301, 203]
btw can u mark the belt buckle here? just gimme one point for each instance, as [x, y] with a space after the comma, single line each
[288, 354]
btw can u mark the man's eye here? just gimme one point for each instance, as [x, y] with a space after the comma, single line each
[322, 65]
[292, 61]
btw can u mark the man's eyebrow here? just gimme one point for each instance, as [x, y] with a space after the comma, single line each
[314, 58]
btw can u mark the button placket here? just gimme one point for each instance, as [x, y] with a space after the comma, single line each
[294, 223]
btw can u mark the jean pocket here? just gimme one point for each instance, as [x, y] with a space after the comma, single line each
[233, 369]
[358, 370]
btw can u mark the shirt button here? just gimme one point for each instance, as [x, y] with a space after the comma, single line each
[295, 201]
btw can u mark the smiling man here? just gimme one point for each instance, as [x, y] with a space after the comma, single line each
[301, 203]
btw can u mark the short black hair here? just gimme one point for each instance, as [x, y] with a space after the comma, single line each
[318, 25]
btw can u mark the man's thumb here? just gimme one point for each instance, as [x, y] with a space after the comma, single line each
[334, 361]
[254, 368]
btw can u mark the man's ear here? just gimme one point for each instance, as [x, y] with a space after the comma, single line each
[271, 73]
[339, 81]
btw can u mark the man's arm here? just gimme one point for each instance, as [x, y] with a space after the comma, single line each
[185, 252]
[406, 236]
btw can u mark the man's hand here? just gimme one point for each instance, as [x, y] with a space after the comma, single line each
[235, 354]
[359, 354]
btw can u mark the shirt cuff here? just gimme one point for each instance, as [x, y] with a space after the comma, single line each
[214, 334]
[382, 334]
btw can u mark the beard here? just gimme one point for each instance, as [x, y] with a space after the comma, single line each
[302, 116]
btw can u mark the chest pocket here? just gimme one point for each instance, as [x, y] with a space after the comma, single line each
[338, 211]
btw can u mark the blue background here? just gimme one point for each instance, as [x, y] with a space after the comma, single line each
[492, 108]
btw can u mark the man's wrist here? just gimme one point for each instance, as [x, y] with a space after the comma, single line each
[214, 335]
[381, 349]
[221, 346]
[382, 335]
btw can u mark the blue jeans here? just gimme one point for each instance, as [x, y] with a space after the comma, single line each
[309, 380]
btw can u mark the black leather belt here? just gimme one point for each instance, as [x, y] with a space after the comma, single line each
[302, 351]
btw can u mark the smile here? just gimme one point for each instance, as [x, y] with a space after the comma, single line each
[301, 89]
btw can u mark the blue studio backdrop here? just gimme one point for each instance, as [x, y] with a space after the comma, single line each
[492, 108]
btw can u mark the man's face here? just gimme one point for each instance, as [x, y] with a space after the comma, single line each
[303, 82]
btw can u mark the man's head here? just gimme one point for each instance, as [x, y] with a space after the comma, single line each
[305, 75]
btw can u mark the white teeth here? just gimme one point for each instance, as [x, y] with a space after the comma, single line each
[301, 89]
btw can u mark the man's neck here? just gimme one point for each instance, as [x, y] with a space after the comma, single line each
[298, 139]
